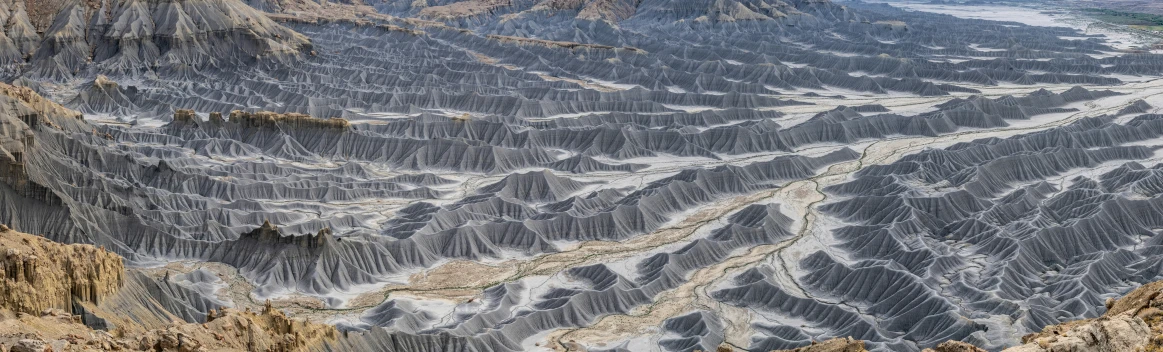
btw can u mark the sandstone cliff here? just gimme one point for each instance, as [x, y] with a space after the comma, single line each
[833, 345]
[39, 274]
[51, 290]
[1132, 323]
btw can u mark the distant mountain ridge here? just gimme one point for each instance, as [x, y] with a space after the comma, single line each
[613, 11]
[69, 39]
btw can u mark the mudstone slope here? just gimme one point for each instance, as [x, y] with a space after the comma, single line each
[601, 175]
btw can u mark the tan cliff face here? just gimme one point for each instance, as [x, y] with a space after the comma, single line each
[847, 344]
[39, 274]
[231, 330]
[38, 104]
[266, 119]
[44, 281]
[954, 346]
[833, 345]
[1131, 323]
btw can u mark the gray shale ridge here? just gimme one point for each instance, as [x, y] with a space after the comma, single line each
[601, 175]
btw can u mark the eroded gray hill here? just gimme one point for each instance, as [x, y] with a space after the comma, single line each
[65, 40]
[615, 155]
[1002, 238]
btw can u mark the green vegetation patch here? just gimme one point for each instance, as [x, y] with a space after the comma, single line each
[1127, 18]
[1149, 28]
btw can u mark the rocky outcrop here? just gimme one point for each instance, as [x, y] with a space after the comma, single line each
[267, 119]
[50, 291]
[1132, 323]
[269, 235]
[1108, 333]
[833, 345]
[954, 346]
[230, 330]
[34, 107]
[268, 330]
[39, 275]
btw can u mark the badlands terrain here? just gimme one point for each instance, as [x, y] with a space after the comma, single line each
[577, 175]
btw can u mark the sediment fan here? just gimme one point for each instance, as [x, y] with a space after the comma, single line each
[611, 175]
